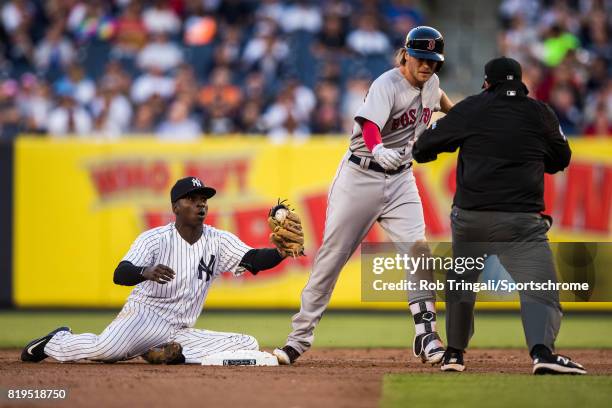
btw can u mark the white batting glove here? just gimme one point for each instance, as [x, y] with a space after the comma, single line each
[389, 159]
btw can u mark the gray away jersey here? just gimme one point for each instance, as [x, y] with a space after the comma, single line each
[196, 266]
[401, 111]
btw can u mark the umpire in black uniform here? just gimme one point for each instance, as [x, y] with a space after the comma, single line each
[506, 142]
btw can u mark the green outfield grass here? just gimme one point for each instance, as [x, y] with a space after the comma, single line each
[335, 330]
[495, 391]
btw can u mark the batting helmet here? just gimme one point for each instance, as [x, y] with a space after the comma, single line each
[426, 43]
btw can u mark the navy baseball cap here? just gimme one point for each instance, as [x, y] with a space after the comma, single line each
[502, 69]
[188, 185]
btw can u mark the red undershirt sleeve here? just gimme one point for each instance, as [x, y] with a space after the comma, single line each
[371, 134]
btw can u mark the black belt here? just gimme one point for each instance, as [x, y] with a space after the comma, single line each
[377, 167]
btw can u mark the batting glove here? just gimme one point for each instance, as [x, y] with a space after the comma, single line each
[389, 159]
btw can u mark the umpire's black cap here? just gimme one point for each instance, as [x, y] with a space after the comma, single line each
[188, 185]
[502, 69]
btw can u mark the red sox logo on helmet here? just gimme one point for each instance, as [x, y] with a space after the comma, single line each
[431, 44]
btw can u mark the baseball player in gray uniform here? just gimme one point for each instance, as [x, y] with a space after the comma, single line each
[374, 183]
[172, 268]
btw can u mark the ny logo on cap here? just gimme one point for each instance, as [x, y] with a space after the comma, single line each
[509, 77]
[431, 44]
[196, 182]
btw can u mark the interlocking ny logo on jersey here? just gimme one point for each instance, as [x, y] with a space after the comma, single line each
[196, 182]
[203, 267]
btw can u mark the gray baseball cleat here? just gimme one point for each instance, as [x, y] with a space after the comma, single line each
[428, 346]
[287, 355]
[34, 351]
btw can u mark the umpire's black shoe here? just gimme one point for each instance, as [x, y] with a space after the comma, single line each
[549, 363]
[287, 355]
[452, 360]
[34, 351]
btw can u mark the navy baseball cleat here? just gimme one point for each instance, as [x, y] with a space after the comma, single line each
[168, 353]
[287, 355]
[549, 363]
[34, 351]
[453, 361]
[428, 347]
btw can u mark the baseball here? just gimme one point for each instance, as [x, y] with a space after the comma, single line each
[281, 214]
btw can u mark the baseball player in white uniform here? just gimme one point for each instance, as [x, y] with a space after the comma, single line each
[374, 183]
[172, 268]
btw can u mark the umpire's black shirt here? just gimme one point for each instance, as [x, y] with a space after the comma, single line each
[506, 142]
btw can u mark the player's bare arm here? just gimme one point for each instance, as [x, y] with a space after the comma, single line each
[445, 103]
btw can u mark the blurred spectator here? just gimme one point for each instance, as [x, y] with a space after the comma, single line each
[301, 15]
[178, 124]
[327, 118]
[185, 83]
[91, 20]
[265, 52]
[331, 41]
[112, 111]
[69, 117]
[55, 51]
[557, 44]
[200, 27]
[160, 18]
[227, 52]
[601, 124]
[20, 51]
[284, 119]
[35, 103]
[353, 97]
[367, 39]
[520, 40]
[563, 103]
[144, 123]
[248, 119]
[83, 89]
[10, 118]
[151, 83]
[131, 33]
[113, 71]
[17, 14]
[220, 99]
[403, 16]
[160, 53]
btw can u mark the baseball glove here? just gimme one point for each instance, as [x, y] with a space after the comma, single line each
[287, 234]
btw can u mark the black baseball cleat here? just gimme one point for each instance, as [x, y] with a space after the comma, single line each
[34, 351]
[452, 361]
[287, 355]
[549, 363]
[168, 353]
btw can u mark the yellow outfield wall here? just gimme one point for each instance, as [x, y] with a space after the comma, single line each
[80, 204]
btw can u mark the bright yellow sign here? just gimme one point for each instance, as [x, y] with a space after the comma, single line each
[80, 204]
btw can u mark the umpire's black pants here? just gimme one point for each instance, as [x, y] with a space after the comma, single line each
[519, 240]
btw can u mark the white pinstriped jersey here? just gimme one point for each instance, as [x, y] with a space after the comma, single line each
[401, 111]
[196, 266]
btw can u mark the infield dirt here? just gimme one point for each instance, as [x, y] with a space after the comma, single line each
[321, 378]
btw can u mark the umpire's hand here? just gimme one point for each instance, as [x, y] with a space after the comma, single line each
[158, 273]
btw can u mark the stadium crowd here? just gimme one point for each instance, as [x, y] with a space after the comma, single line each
[183, 68]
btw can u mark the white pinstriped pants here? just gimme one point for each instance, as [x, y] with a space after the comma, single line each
[137, 329]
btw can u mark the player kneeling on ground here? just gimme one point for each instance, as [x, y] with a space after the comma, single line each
[172, 268]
